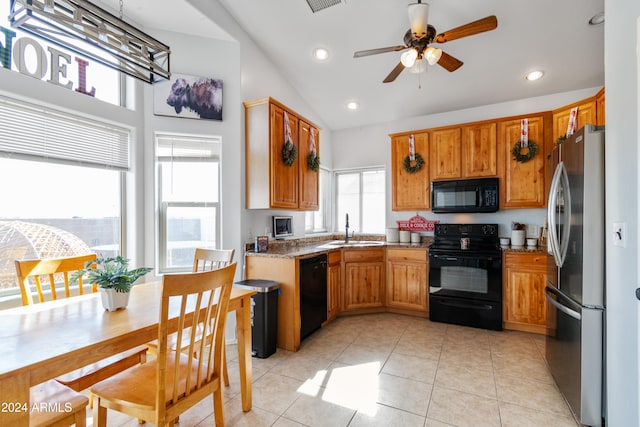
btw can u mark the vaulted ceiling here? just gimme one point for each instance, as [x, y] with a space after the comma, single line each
[549, 35]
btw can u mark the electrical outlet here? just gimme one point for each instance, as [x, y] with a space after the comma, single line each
[619, 234]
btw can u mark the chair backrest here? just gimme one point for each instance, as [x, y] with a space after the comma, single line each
[47, 270]
[202, 298]
[212, 259]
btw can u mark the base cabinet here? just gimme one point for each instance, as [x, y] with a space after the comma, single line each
[524, 303]
[334, 280]
[407, 279]
[363, 278]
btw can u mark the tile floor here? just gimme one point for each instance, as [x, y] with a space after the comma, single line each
[394, 370]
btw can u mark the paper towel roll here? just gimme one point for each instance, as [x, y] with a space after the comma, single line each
[405, 236]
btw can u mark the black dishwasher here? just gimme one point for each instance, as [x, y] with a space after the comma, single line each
[313, 294]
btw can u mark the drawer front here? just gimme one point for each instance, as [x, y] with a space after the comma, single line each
[361, 255]
[419, 255]
[335, 257]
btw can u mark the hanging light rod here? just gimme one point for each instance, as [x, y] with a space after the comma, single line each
[109, 40]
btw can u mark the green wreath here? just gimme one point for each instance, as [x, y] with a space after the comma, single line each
[289, 153]
[415, 168]
[561, 139]
[523, 158]
[313, 161]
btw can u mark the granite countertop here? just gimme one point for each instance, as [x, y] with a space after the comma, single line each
[307, 247]
[527, 249]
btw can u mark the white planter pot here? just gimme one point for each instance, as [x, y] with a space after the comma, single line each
[517, 237]
[112, 300]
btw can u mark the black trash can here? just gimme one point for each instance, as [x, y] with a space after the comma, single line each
[264, 315]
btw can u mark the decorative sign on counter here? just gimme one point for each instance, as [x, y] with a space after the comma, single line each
[262, 244]
[417, 223]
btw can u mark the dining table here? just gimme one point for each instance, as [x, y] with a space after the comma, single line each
[42, 341]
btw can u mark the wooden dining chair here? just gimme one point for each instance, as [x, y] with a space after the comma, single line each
[45, 273]
[212, 259]
[205, 260]
[161, 389]
[56, 405]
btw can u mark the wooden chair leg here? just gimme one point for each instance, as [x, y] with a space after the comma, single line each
[99, 414]
[218, 407]
[225, 371]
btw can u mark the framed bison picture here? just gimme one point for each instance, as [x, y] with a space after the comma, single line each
[189, 97]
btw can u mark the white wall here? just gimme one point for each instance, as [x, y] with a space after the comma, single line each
[259, 79]
[622, 74]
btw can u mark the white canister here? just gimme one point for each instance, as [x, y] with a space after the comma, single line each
[392, 235]
[415, 237]
[405, 236]
[517, 237]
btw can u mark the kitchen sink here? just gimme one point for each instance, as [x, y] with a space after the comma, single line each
[352, 243]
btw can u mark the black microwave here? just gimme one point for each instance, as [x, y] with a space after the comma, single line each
[465, 196]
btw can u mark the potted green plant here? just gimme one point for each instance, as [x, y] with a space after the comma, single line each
[114, 279]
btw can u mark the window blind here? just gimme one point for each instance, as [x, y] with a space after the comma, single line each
[41, 133]
[175, 146]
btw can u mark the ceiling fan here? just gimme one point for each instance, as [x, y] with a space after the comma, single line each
[419, 37]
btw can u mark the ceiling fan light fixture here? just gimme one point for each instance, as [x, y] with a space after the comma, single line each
[432, 55]
[419, 18]
[419, 67]
[409, 57]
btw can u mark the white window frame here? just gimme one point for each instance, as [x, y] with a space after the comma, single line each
[164, 206]
[325, 205]
[336, 221]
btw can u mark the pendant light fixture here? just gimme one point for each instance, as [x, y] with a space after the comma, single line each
[81, 27]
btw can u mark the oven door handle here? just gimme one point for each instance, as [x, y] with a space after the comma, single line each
[459, 304]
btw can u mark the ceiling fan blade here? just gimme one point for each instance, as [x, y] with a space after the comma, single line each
[480, 26]
[361, 53]
[394, 73]
[449, 63]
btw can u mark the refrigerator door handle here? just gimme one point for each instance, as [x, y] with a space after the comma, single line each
[566, 310]
[559, 247]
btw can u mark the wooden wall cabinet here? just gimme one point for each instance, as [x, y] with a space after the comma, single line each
[522, 185]
[410, 191]
[600, 113]
[270, 183]
[586, 116]
[334, 282]
[407, 280]
[445, 156]
[363, 278]
[524, 279]
[479, 150]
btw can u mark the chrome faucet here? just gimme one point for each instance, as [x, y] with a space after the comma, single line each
[346, 231]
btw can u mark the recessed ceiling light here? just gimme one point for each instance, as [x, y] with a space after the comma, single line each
[321, 54]
[534, 75]
[353, 105]
[596, 19]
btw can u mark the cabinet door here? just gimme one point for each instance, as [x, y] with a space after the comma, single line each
[284, 179]
[522, 184]
[410, 191]
[363, 287]
[309, 179]
[407, 285]
[600, 116]
[479, 150]
[586, 116]
[445, 153]
[525, 306]
[334, 273]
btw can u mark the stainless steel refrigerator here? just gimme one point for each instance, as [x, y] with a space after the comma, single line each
[575, 291]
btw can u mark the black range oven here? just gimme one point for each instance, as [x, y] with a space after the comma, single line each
[465, 275]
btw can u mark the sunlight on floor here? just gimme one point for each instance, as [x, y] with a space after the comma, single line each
[354, 387]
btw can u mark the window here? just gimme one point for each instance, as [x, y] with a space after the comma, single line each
[61, 193]
[319, 221]
[188, 197]
[361, 195]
